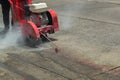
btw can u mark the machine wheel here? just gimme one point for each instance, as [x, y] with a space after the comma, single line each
[32, 42]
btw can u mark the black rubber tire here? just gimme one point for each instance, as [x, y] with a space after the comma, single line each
[32, 42]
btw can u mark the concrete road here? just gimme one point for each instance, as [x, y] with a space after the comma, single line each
[88, 38]
[90, 29]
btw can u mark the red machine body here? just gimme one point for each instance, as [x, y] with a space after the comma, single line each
[33, 24]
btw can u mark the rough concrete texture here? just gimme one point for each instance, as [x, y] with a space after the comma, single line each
[89, 30]
[108, 1]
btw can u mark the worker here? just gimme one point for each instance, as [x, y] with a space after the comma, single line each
[5, 12]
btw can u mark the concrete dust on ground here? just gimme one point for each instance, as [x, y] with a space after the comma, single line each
[48, 65]
[86, 31]
[90, 30]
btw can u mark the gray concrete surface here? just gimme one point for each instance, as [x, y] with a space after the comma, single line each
[88, 29]
[109, 1]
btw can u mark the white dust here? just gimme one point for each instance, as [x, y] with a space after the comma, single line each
[10, 39]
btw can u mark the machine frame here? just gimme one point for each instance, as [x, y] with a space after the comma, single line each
[21, 16]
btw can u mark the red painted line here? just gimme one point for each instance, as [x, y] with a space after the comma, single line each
[89, 63]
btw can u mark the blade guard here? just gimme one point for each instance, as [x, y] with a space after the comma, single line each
[30, 29]
[54, 17]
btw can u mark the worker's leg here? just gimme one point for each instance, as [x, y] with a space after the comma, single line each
[5, 11]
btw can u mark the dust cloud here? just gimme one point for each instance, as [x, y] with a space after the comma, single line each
[67, 17]
[10, 39]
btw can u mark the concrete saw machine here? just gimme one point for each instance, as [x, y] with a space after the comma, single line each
[35, 20]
